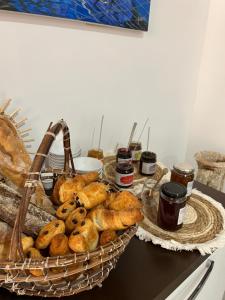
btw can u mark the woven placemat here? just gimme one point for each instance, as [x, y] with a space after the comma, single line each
[203, 227]
[110, 167]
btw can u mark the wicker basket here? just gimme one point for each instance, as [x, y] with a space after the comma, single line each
[62, 276]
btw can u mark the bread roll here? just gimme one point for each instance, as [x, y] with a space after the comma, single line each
[92, 195]
[65, 209]
[48, 232]
[125, 200]
[75, 217]
[115, 220]
[59, 245]
[84, 237]
[35, 254]
[27, 242]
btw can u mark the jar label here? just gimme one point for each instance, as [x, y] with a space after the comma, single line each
[124, 179]
[189, 187]
[136, 155]
[148, 168]
[124, 160]
[181, 216]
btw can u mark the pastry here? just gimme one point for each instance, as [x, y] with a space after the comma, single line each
[36, 255]
[5, 240]
[69, 189]
[75, 217]
[55, 194]
[115, 220]
[110, 198]
[125, 200]
[65, 209]
[84, 237]
[90, 177]
[27, 242]
[92, 195]
[59, 245]
[107, 236]
[48, 232]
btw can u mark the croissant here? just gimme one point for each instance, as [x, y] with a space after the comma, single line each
[115, 220]
[84, 237]
[69, 189]
[125, 200]
[65, 209]
[92, 195]
[55, 193]
[107, 236]
[90, 177]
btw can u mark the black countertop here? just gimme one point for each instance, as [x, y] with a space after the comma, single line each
[144, 271]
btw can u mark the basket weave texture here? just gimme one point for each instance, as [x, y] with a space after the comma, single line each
[62, 276]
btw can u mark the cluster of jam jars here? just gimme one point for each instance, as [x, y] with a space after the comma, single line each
[127, 157]
[173, 197]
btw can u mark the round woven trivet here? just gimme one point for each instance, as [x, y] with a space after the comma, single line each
[110, 167]
[203, 227]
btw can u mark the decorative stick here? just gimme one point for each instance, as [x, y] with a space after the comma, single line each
[25, 130]
[132, 133]
[142, 130]
[100, 134]
[116, 148]
[5, 105]
[92, 138]
[24, 135]
[29, 140]
[21, 123]
[15, 113]
[148, 138]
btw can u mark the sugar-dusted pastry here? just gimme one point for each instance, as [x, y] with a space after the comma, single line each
[65, 209]
[107, 236]
[59, 245]
[125, 200]
[75, 217]
[48, 232]
[69, 189]
[92, 195]
[27, 242]
[90, 177]
[84, 237]
[115, 220]
[36, 255]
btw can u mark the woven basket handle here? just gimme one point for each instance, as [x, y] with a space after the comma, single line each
[33, 179]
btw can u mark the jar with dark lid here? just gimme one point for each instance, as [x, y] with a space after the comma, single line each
[124, 175]
[183, 173]
[123, 155]
[147, 165]
[171, 208]
[135, 149]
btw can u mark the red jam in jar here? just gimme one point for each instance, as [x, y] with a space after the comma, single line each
[124, 175]
[171, 208]
[123, 156]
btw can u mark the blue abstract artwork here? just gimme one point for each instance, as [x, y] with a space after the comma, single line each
[132, 14]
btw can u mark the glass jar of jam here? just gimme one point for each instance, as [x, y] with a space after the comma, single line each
[124, 175]
[183, 173]
[123, 156]
[171, 208]
[147, 165]
[135, 149]
[96, 153]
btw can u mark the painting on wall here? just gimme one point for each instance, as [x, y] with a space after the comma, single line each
[132, 14]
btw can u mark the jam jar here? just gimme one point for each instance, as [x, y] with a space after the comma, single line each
[123, 156]
[147, 165]
[124, 175]
[96, 153]
[171, 208]
[135, 149]
[183, 173]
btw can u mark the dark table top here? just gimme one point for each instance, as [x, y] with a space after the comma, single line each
[144, 271]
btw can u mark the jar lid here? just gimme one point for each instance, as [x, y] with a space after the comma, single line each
[184, 167]
[173, 190]
[124, 167]
[148, 155]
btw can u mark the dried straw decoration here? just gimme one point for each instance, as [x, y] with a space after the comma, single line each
[63, 275]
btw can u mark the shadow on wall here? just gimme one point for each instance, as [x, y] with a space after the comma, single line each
[25, 18]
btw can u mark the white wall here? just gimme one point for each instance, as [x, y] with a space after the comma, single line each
[208, 123]
[57, 68]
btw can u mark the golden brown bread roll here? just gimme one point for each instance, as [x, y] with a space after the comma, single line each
[75, 217]
[115, 220]
[90, 177]
[92, 195]
[69, 189]
[125, 200]
[59, 245]
[65, 209]
[84, 237]
[107, 236]
[27, 242]
[47, 233]
[35, 254]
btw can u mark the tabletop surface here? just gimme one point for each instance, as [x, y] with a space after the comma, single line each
[144, 271]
